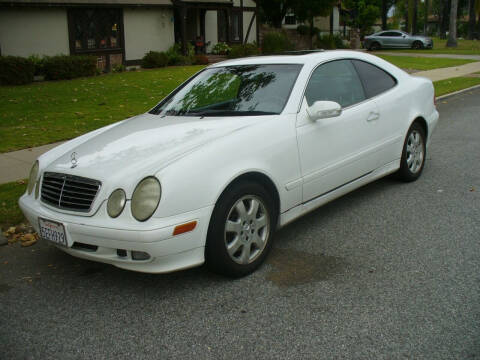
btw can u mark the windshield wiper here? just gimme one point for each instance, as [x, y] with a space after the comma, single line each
[229, 113]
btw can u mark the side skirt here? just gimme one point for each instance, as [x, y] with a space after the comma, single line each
[300, 210]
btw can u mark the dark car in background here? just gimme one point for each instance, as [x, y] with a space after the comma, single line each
[396, 39]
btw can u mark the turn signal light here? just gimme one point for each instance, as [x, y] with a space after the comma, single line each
[180, 229]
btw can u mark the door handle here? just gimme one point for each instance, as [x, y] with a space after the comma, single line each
[373, 116]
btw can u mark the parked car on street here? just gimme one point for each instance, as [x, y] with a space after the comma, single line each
[240, 149]
[392, 39]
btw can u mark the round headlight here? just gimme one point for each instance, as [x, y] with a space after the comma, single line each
[116, 203]
[33, 178]
[145, 198]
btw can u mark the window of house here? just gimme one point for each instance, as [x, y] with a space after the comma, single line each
[290, 19]
[374, 79]
[335, 81]
[236, 26]
[95, 29]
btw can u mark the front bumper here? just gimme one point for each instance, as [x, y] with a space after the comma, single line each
[93, 242]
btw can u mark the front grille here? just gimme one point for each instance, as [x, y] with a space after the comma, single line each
[69, 192]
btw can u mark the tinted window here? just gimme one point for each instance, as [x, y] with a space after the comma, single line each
[233, 91]
[335, 81]
[375, 80]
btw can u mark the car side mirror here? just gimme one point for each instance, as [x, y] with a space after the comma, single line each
[323, 110]
[404, 36]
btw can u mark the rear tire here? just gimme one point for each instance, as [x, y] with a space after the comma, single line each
[413, 154]
[240, 233]
[375, 46]
[417, 45]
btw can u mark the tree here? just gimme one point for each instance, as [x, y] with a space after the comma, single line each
[307, 10]
[362, 14]
[425, 24]
[386, 5]
[452, 34]
[471, 19]
[273, 11]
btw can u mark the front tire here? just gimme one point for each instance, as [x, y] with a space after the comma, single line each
[241, 230]
[413, 154]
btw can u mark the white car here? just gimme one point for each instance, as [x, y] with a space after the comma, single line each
[238, 150]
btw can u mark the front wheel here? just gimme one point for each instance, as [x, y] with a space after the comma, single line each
[375, 46]
[240, 232]
[413, 155]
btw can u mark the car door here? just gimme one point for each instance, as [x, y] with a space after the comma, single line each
[397, 39]
[336, 151]
[380, 86]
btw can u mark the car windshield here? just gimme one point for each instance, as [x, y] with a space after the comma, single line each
[233, 91]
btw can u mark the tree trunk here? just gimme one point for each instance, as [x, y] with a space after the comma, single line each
[452, 33]
[384, 14]
[445, 16]
[425, 24]
[471, 19]
[414, 17]
[410, 16]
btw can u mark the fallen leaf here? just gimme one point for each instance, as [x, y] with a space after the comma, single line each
[28, 238]
[472, 189]
[11, 230]
[29, 242]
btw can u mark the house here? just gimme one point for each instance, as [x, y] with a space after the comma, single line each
[326, 24]
[121, 31]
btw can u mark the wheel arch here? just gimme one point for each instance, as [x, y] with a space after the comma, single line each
[423, 123]
[260, 178]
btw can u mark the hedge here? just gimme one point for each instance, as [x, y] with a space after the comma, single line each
[243, 51]
[16, 70]
[68, 67]
[154, 59]
[276, 43]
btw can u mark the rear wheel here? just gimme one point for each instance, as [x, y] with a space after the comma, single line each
[240, 232]
[417, 45]
[413, 155]
[374, 46]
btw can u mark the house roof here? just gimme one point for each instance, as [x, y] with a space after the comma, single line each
[87, 2]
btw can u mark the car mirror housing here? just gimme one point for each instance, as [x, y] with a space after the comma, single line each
[323, 110]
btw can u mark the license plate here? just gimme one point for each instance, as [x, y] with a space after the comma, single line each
[53, 231]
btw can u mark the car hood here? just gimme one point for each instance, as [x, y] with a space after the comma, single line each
[143, 145]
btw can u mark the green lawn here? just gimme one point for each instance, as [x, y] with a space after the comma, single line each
[454, 84]
[423, 63]
[47, 112]
[465, 47]
[10, 213]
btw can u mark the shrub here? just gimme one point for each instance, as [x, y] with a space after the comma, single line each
[175, 56]
[16, 70]
[305, 30]
[38, 63]
[201, 60]
[221, 48]
[276, 43]
[118, 68]
[330, 42]
[243, 51]
[68, 67]
[154, 59]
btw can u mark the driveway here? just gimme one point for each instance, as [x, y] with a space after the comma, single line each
[427, 55]
[389, 271]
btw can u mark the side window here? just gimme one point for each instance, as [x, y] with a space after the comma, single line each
[397, 34]
[375, 80]
[335, 81]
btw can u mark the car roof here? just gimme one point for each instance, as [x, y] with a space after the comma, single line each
[312, 59]
[300, 58]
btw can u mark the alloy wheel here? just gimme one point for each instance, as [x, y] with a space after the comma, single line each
[247, 229]
[415, 152]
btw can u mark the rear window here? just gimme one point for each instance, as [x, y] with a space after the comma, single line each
[375, 80]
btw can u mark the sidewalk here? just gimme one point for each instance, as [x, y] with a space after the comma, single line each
[427, 55]
[16, 165]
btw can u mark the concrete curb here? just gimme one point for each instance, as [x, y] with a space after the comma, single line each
[457, 92]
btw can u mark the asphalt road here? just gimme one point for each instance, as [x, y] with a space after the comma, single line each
[390, 271]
